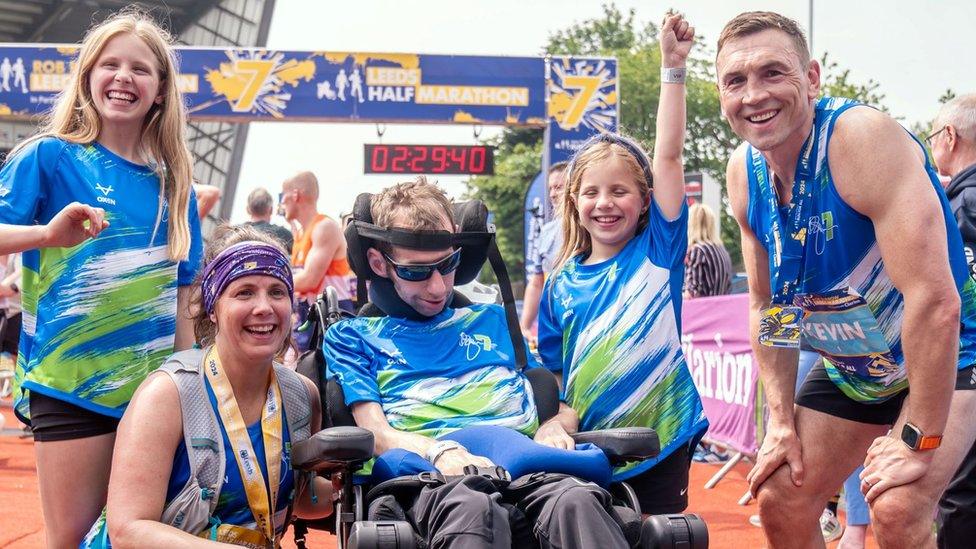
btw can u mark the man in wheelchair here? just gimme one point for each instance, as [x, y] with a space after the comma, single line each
[444, 387]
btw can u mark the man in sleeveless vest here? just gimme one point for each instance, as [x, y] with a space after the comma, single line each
[319, 252]
[850, 245]
[953, 144]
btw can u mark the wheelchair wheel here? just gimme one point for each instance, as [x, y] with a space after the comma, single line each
[347, 519]
[381, 535]
[674, 532]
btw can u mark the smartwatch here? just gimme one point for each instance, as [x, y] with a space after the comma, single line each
[913, 437]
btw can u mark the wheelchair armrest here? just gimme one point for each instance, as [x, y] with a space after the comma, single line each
[332, 449]
[623, 444]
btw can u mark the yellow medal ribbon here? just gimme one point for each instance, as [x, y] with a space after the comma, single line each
[261, 502]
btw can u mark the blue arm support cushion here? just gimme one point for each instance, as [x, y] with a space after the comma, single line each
[517, 453]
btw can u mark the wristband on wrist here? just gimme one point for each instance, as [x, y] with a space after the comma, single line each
[673, 75]
[438, 448]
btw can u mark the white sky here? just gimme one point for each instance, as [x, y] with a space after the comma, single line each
[914, 49]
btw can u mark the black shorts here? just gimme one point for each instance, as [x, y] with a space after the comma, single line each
[52, 419]
[819, 393]
[663, 489]
[11, 334]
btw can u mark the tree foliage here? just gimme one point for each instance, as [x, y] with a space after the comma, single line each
[709, 140]
[518, 158]
[837, 82]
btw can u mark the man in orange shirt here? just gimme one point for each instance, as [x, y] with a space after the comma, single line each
[319, 254]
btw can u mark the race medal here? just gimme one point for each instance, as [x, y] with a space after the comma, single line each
[842, 328]
[780, 326]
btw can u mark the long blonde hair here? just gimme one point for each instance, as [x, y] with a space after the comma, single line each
[75, 119]
[702, 225]
[576, 239]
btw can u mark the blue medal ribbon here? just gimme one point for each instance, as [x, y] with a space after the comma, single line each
[787, 258]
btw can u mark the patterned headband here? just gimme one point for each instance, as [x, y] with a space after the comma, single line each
[627, 143]
[244, 259]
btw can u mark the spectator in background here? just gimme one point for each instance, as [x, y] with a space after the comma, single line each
[953, 147]
[259, 207]
[10, 303]
[546, 251]
[319, 253]
[708, 267]
[10, 316]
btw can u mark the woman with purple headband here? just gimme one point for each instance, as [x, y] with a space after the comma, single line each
[227, 413]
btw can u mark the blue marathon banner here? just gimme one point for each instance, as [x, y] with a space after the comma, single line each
[582, 97]
[259, 84]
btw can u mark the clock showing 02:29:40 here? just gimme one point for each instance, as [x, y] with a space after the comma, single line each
[429, 159]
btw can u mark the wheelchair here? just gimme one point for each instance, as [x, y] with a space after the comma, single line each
[341, 448]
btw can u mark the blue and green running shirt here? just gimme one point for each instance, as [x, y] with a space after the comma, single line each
[435, 376]
[613, 330]
[100, 316]
[852, 311]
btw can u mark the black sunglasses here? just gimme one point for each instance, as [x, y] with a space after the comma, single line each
[931, 136]
[419, 273]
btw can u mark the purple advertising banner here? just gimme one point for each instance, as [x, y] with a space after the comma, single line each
[715, 340]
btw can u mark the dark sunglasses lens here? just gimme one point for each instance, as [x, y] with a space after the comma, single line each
[450, 263]
[415, 273]
[418, 273]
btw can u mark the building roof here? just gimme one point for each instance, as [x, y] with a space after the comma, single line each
[65, 21]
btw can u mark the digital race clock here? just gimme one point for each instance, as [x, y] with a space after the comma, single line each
[430, 159]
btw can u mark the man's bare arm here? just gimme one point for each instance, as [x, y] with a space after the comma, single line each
[370, 415]
[207, 197]
[530, 302]
[325, 243]
[777, 366]
[878, 170]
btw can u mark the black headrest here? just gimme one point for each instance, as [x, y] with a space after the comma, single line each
[473, 237]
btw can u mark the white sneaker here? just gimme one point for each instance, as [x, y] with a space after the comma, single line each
[830, 526]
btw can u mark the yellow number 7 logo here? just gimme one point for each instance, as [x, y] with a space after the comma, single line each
[588, 85]
[258, 70]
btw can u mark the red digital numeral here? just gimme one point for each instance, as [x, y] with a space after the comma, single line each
[378, 160]
[459, 156]
[399, 155]
[439, 157]
[419, 158]
[477, 158]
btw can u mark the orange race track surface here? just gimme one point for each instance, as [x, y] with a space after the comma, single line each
[21, 526]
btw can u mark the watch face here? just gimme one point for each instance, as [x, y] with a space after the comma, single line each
[910, 436]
